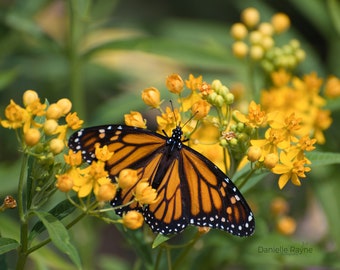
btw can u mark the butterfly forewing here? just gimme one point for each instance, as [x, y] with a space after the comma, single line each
[191, 189]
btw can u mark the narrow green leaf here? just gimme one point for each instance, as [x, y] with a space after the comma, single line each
[7, 244]
[323, 158]
[60, 211]
[59, 236]
[160, 239]
[334, 10]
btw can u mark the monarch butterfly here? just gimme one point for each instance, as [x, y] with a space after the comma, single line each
[191, 189]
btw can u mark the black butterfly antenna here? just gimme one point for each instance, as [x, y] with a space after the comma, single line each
[186, 122]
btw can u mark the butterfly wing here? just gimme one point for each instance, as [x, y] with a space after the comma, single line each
[214, 200]
[191, 189]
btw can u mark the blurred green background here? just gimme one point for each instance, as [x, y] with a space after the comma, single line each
[102, 54]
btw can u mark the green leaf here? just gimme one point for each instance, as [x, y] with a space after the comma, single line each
[160, 239]
[6, 78]
[8, 244]
[60, 211]
[334, 10]
[59, 236]
[323, 158]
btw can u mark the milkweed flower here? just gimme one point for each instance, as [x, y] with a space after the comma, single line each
[290, 168]
[250, 16]
[168, 120]
[174, 83]
[286, 225]
[280, 22]
[64, 182]
[16, 116]
[151, 97]
[144, 193]
[133, 220]
[135, 119]
[200, 109]
[127, 178]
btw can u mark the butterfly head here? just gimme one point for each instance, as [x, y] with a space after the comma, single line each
[175, 141]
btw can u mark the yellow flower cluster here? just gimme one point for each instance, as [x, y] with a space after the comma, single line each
[94, 178]
[279, 209]
[290, 116]
[255, 39]
[84, 180]
[291, 112]
[37, 120]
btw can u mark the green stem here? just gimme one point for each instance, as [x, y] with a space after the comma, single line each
[186, 251]
[22, 252]
[77, 11]
[245, 179]
[252, 94]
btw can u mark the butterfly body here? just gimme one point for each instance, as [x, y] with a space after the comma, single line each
[191, 189]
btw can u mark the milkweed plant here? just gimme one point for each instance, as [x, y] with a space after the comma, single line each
[248, 134]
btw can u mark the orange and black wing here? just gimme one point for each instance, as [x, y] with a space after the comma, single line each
[191, 189]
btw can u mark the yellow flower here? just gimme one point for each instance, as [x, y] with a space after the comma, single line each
[29, 97]
[274, 139]
[73, 121]
[289, 125]
[54, 111]
[255, 118]
[106, 191]
[200, 109]
[97, 170]
[189, 100]
[286, 225]
[151, 97]
[322, 122]
[36, 108]
[240, 49]
[50, 126]
[73, 158]
[193, 83]
[280, 78]
[65, 105]
[144, 193]
[290, 169]
[16, 116]
[135, 119]
[64, 182]
[280, 22]
[254, 153]
[238, 31]
[332, 87]
[82, 181]
[103, 153]
[250, 16]
[127, 178]
[174, 83]
[279, 206]
[270, 160]
[56, 146]
[205, 90]
[168, 120]
[32, 136]
[133, 220]
[313, 82]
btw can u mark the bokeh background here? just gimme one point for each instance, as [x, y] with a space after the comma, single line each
[102, 54]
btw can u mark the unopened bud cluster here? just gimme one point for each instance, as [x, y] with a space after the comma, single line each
[219, 94]
[256, 40]
[286, 57]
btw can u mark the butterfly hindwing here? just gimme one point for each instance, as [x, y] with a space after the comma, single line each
[191, 189]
